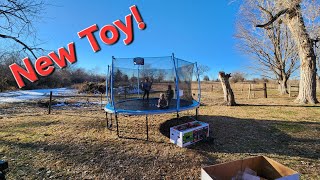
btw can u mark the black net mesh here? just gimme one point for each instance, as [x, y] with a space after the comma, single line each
[131, 83]
[185, 73]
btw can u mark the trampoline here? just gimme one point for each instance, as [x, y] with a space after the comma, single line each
[127, 78]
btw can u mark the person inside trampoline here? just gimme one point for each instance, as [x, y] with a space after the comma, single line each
[169, 94]
[146, 86]
[162, 102]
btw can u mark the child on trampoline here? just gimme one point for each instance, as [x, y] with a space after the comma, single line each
[162, 102]
[169, 94]
[146, 86]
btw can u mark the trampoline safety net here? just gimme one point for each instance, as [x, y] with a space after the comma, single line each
[127, 78]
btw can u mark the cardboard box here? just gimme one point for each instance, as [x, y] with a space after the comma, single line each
[264, 166]
[189, 133]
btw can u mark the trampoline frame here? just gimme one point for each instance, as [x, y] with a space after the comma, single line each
[110, 106]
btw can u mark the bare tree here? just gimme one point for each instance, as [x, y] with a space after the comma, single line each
[7, 79]
[203, 69]
[237, 77]
[147, 72]
[17, 17]
[160, 75]
[290, 12]
[273, 51]
[311, 11]
[206, 78]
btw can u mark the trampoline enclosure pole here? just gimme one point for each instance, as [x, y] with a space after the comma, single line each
[199, 86]
[177, 83]
[111, 83]
[138, 82]
[107, 79]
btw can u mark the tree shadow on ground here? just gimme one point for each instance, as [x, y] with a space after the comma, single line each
[235, 135]
[114, 159]
[279, 105]
[34, 124]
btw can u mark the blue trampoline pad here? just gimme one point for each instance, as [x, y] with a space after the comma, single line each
[143, 107]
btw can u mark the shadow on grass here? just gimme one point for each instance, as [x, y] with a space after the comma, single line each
[116, 159]
[235, 135]
[280, 105]
[35, 124]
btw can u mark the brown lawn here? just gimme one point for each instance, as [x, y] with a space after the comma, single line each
[73, 142]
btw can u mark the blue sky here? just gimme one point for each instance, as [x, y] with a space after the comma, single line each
[199, 31]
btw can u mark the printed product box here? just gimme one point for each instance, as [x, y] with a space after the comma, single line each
[189, 133]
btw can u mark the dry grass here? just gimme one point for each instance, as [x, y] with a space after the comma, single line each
[74, 143]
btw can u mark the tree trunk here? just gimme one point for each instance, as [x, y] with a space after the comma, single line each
[227, 91]
[318, 82]
[307, 90]
[283, 86]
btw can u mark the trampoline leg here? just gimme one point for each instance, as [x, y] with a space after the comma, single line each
[147, 127]
[110, 121]
[197, 112]
[107, 120]
[109, 126]
[117, 125]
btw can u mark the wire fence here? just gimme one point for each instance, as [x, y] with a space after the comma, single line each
[99, 99]
[247, 90]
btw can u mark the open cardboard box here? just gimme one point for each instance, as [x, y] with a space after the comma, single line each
[264, 166]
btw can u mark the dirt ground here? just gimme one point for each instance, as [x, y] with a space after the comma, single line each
[74, 143]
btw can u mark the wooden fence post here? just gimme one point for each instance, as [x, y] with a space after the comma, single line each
[265, 90]
[101, 101]
[289, 90]
[49, 110]
[253, 91]
[125, 92]
[249, 93]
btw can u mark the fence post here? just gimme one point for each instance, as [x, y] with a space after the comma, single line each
[253, 91]
[125, 92]
[101, 101]
[265, 90]
[249, 94]
[212, 88]
[289, 90]
[49, 110]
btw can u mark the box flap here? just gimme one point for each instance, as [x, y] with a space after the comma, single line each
[275, 170]
[230, 169]
[265, 167]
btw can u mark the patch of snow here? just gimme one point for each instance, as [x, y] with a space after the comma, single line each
[25, 95]
[78, 104]
[60, 104]
[135, 91]
[131, 90]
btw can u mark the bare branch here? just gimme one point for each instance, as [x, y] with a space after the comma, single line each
[272, 49]
[274, 18]
[22, 43]
[17, 18]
